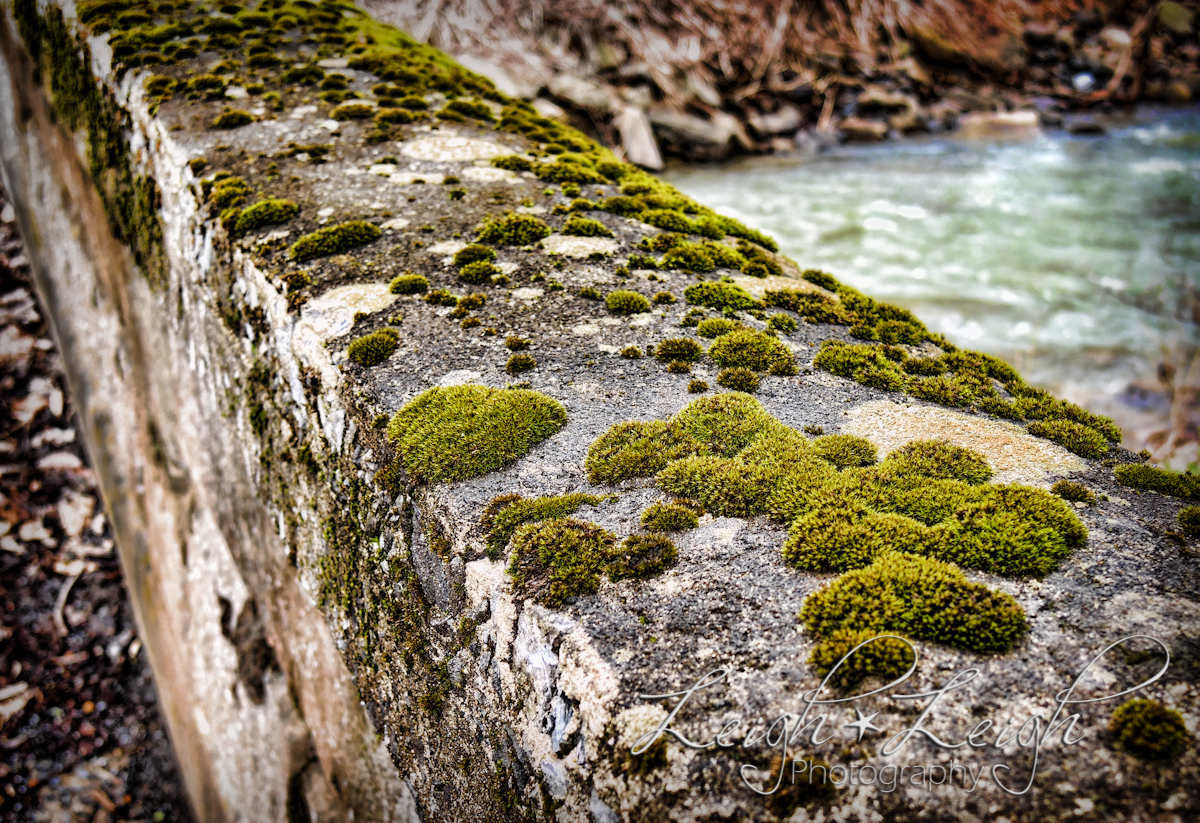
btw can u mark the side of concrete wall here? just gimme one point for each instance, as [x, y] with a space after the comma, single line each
[261, 707]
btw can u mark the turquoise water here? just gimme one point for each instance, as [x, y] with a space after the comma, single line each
[1066, 256]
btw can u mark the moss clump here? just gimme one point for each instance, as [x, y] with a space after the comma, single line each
[815, 308]
[719, 296]
[1149, 730]
[441, 297]
[697, 387]
[265, 213]
[335, 240]
[514, 343]
[1154, 479]
[1074, 492]
[374, 348]
[636, 449]
[679, 367]
[664, 298]
[557, 560]
[938, 460]
[623, 301]
[640, 556]
[478, 273]
[519, 364]
[885, 658]
[845, 450]
[688, 257]
[782, 323]
[738, 379]
[409, 284]
[232, 119]
[390, 116]
[1076, 437]
[669, 517]
[474, 253]
[466, 108]
[464, 431]
[512, 162]
[919, 597]
[1189, 520]
[678, 349]
[714, 327]
[585, 227]
[748, 349]
[353, 111]
[513, 230]
[505, 514]
[227, 191]
[631, 352]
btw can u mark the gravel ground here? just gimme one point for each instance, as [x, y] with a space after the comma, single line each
[81, 738]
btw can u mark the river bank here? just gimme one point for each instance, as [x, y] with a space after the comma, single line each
[707, 82]
[1072, 257]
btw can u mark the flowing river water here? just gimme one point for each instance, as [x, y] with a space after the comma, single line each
[1073, 258]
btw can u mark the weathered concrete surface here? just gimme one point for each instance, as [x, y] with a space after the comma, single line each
[277, 583]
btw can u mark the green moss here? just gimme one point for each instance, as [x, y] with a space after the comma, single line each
[1149, 730]
[474, 253]
[585, 227]
[688, 257]
[334, 240]
[229, 191]
[636, 449]
[409, 284]
[1163, 481]
[465, 431]
[679, 367]
[782, 323]
[623, 301]
[719, 296]
[669, 517]
[389, 116]
[640, 556]
[884, 658]
[747, 349]
[232, 119]
[478, 273]
[935, 459]
[519, 364]
[441, 297]
[514, 343]
[513, 162]
[1074, 492]
[374, 348]
[353, 111]
[697, 387]
[945, 389]
[265, 213]
[716, 326]
[919, 597]
[663, 298]
[678, 349]
[1074, 436]
[738, 379]
[1189, 520]
[505, 514]
[557, 560]
[845, 450]
[513, 230]
[631, 352]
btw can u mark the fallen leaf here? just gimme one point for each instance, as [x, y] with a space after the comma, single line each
[60, 461]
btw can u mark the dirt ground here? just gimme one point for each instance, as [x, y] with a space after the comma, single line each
[81, 738]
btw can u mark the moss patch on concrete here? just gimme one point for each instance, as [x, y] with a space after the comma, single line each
[465, 431]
